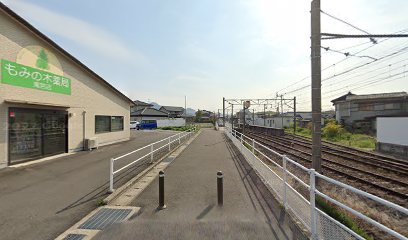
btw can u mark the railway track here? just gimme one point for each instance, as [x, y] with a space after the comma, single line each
[390, 161]
[400, 171]
[391, 188]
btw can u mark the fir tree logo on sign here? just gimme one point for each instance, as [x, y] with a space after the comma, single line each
[42, 60]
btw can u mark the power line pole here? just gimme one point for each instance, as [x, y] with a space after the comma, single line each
[185, 110]
[223, 111]
[243, 119]
[232, 116]
[316, 86]
[294, 115]
[264, 115]
[282, 109]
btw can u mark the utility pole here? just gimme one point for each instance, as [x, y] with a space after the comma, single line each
[281, 109]
[264, 115]
[185, 110]
[316, 86]
[223, 111]
[232, 117]
[294, 115]
[253, 116]
[243, 121]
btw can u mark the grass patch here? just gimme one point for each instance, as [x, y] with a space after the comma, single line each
[341, 136]
[204, 125]
[181, 128]
[101, 202]
[342, 217]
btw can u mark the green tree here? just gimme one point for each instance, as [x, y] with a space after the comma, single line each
[198, 116]
[42, 60]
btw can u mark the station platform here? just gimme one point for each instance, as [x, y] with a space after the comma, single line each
[249, 210]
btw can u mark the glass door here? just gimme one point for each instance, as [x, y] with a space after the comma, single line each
[25, 138]
[35, 133]
[54, 133]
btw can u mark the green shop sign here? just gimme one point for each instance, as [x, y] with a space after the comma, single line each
[23, 76]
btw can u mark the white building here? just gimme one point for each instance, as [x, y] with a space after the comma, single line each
[50, 102]
[392, 135]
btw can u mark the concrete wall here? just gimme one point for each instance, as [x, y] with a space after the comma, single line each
[176, 122]
[88, 94]
[146, 118]
[392, 130]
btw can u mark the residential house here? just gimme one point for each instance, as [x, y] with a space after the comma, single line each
[173, 112]
[139, 105]
[147, 114]
[206, 115]
[360, 111]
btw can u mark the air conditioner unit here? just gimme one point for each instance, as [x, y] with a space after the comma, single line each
[91, 143]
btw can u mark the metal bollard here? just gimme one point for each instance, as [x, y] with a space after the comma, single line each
[161, 191]
[151, 153]
[169, 144]
[111, 175]
[220, 188]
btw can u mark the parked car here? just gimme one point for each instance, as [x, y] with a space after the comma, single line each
[133, 124]
[147, 124]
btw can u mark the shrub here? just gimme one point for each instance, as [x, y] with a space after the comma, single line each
[330, 121]
[332, 130]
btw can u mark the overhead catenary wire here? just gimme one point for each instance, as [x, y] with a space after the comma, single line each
[341, 61]
[347, 54]
[349, 24]
[352, 69]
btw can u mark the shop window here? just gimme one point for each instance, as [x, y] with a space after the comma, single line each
[102, 124]
[116, 123]
[108, 123]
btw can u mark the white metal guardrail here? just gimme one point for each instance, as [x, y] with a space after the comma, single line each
[320, 225]
[153, 149]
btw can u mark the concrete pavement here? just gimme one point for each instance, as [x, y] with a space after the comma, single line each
[41, 201]
[190, 195]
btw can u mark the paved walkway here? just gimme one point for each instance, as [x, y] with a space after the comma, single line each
[43, 200]
[192, 211]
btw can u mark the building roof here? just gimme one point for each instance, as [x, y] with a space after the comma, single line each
[342, 98]
[148, 112]
[378, 96]
[140, 103]
[30, 27]
[173, 109]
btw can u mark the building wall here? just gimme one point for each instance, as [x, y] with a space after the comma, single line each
[147, 118]
[393, 130]
[175, 122]
[88, 94]
[354, 113]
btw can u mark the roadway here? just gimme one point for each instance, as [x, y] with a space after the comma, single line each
[42, 200]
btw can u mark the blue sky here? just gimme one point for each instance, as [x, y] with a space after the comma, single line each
[163, 50]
